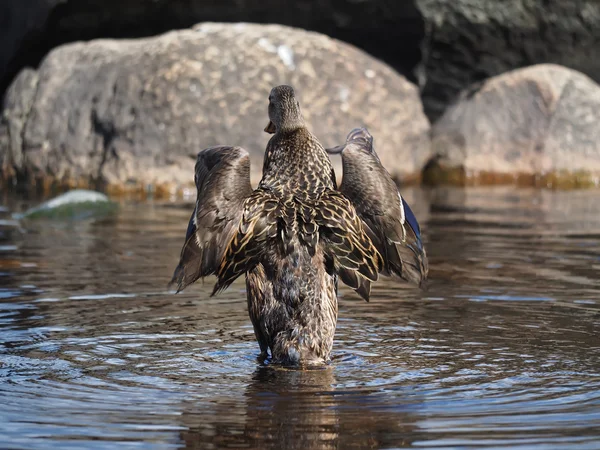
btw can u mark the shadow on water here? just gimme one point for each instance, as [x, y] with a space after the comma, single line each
[503, 349]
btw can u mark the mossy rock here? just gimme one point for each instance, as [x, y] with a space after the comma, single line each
[78, 204]
[435, 175]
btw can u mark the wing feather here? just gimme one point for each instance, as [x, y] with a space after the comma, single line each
[257, 226]
[222, 177]
[389, 221]
[346, 242]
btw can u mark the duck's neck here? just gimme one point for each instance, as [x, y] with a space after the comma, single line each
[296, 163]
[289, 125]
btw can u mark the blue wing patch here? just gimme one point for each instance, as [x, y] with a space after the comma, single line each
[411, 219]
[191, 229]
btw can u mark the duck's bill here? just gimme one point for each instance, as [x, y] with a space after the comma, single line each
[335, 150]
[270, 128]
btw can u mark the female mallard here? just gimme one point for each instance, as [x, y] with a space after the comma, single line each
[296, 233]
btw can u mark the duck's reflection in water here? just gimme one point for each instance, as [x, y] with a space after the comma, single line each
[294, 409]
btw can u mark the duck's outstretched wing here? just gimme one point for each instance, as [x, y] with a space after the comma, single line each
[329, 220]
[222, 178]
[259, 223]
[391, 224]
[346, 242]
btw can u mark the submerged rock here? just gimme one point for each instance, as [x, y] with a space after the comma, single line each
[75, 204]
[135, 113]
[537, 125]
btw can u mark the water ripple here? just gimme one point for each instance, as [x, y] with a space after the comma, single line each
[501, 351]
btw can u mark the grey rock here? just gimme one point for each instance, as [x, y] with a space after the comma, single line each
[447, 45]
[29, 29]
[17, 104]
[131, 113]
[540, 121]
[467, 41]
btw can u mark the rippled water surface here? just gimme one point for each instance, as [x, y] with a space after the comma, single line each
[503, 350]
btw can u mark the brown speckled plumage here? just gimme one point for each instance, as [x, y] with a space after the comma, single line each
[389, 221]
[292, 237]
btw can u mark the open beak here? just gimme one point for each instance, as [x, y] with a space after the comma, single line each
[335, 150]
[270, 128]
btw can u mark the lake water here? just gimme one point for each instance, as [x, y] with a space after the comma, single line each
[502, 350]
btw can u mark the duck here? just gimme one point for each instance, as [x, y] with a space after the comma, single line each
[296, 235]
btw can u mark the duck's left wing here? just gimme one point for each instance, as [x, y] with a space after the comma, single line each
[391, 224]
[222, 177]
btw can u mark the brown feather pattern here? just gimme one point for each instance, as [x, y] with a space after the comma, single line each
[295, 235]
[375, 197]
[222, 176]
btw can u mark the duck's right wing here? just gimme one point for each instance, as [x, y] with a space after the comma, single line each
[347, 245]
[222, 177]
[390, 222]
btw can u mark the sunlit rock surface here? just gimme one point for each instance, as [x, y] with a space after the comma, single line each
[390, 31]
[444, 44]
[537, 126]
[134, 113]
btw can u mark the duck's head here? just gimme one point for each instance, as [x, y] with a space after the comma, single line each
[284, 110]
[359, 139]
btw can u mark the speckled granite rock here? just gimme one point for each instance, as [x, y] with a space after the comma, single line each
[29, 29]
[451, 43]
[133, 113]
[539, 124]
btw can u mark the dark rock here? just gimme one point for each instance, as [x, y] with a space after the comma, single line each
[133, 113]
[22, 23]
[29, 29]
[471, 40]
[538, 124]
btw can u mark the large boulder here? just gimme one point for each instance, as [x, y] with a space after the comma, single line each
[535, 125]
[29, 29]
[468, 41]
[450, 43]
[134, 113]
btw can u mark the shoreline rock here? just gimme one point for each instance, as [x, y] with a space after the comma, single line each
[469, 41]
[534, 126]
[390, 31]
[127, 114]
[444, 45]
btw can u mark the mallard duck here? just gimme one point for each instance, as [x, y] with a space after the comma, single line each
[296, 233]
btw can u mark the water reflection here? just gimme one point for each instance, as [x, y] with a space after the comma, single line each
[301, 409]
[503, 349]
